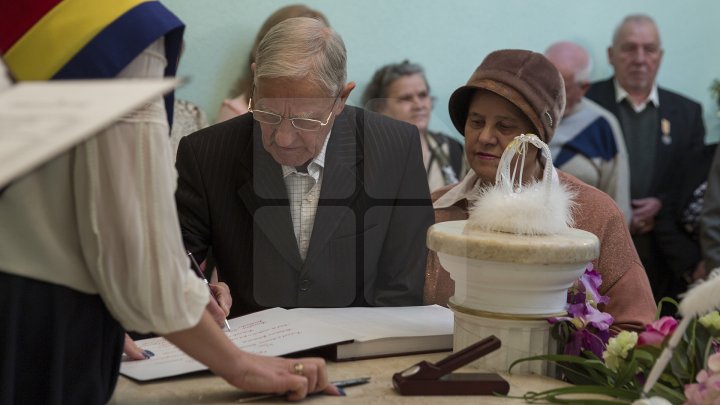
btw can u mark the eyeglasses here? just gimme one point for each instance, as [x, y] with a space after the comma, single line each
[303, 124]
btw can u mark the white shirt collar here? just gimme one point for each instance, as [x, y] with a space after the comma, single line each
[315, 166]
[461, 191]
[621, 94]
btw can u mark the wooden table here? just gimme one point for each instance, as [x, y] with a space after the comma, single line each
[206, 388]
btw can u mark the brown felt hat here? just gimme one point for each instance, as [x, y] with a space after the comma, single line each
[527, 79]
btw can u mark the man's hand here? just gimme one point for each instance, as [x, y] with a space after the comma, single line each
[219, 307]
[643, 215]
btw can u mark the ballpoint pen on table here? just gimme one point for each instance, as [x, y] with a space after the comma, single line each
[339, 384]
[196, 267]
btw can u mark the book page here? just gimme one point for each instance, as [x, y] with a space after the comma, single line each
[383, 322]
[273, 332]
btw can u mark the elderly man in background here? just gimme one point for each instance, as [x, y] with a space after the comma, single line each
[588, 142]
[664, 135]
[304, 201]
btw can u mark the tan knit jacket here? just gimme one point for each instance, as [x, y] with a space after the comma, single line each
[624, 279]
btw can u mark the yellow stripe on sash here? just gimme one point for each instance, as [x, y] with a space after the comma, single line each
[61, 34]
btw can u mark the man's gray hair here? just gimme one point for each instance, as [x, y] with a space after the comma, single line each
[633, 18]
[303, 48]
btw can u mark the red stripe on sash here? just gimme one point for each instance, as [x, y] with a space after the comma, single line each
[18, 16]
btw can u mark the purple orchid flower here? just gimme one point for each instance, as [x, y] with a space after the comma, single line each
[590, 327]
[590, 282]
[584, 339]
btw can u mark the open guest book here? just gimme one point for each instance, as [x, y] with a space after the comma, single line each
[40, 120]
[341, 333]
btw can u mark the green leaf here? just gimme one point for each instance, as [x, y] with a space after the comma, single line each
[558, 358]
[579, 375]
[671, 380]
[578, 370]
[692, 353]
[627, 372]
[675, 396]
[703, 339]
[646, 355]
[663, 302]
[620, 396]
[679, 365]
[707, 352]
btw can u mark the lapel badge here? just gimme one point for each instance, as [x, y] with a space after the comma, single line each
[665, 130]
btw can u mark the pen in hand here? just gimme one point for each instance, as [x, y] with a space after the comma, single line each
[196, 267]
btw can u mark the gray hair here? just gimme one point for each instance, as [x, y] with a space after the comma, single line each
[303, 48]
[376, 91]
[637, 19]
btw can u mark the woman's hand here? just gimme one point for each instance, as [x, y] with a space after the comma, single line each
[133, 351]
[295, 377]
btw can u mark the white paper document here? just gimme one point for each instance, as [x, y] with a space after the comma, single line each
[40, 120]
[277, 332]
[273, 332]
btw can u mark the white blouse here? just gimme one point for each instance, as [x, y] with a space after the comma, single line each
[101, 219]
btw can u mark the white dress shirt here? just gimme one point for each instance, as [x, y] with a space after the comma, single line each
[621, 94]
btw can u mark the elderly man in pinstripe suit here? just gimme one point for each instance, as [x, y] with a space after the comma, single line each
[304, 201]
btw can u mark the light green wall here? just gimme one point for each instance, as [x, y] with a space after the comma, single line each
[450, 38]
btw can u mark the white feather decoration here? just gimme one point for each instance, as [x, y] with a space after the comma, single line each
[534, 211]
[701, 299]
[539, 208]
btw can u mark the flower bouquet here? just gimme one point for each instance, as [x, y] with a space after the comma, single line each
[617, 367]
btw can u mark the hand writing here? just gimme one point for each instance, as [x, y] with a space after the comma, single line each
[219, 308]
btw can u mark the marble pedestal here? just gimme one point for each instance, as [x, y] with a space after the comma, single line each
[508, 285]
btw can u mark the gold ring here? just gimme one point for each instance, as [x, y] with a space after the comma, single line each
[298, 368]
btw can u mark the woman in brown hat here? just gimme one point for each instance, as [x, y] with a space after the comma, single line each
[514, 92]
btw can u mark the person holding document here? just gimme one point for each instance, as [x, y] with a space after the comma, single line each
[90, 242]
[304, 201]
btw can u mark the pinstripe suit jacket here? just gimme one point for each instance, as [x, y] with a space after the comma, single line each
[368, 241]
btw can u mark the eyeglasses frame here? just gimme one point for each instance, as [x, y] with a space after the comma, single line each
[292, 120]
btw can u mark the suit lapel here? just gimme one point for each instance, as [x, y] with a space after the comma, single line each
[340, 180]
[265, 196]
